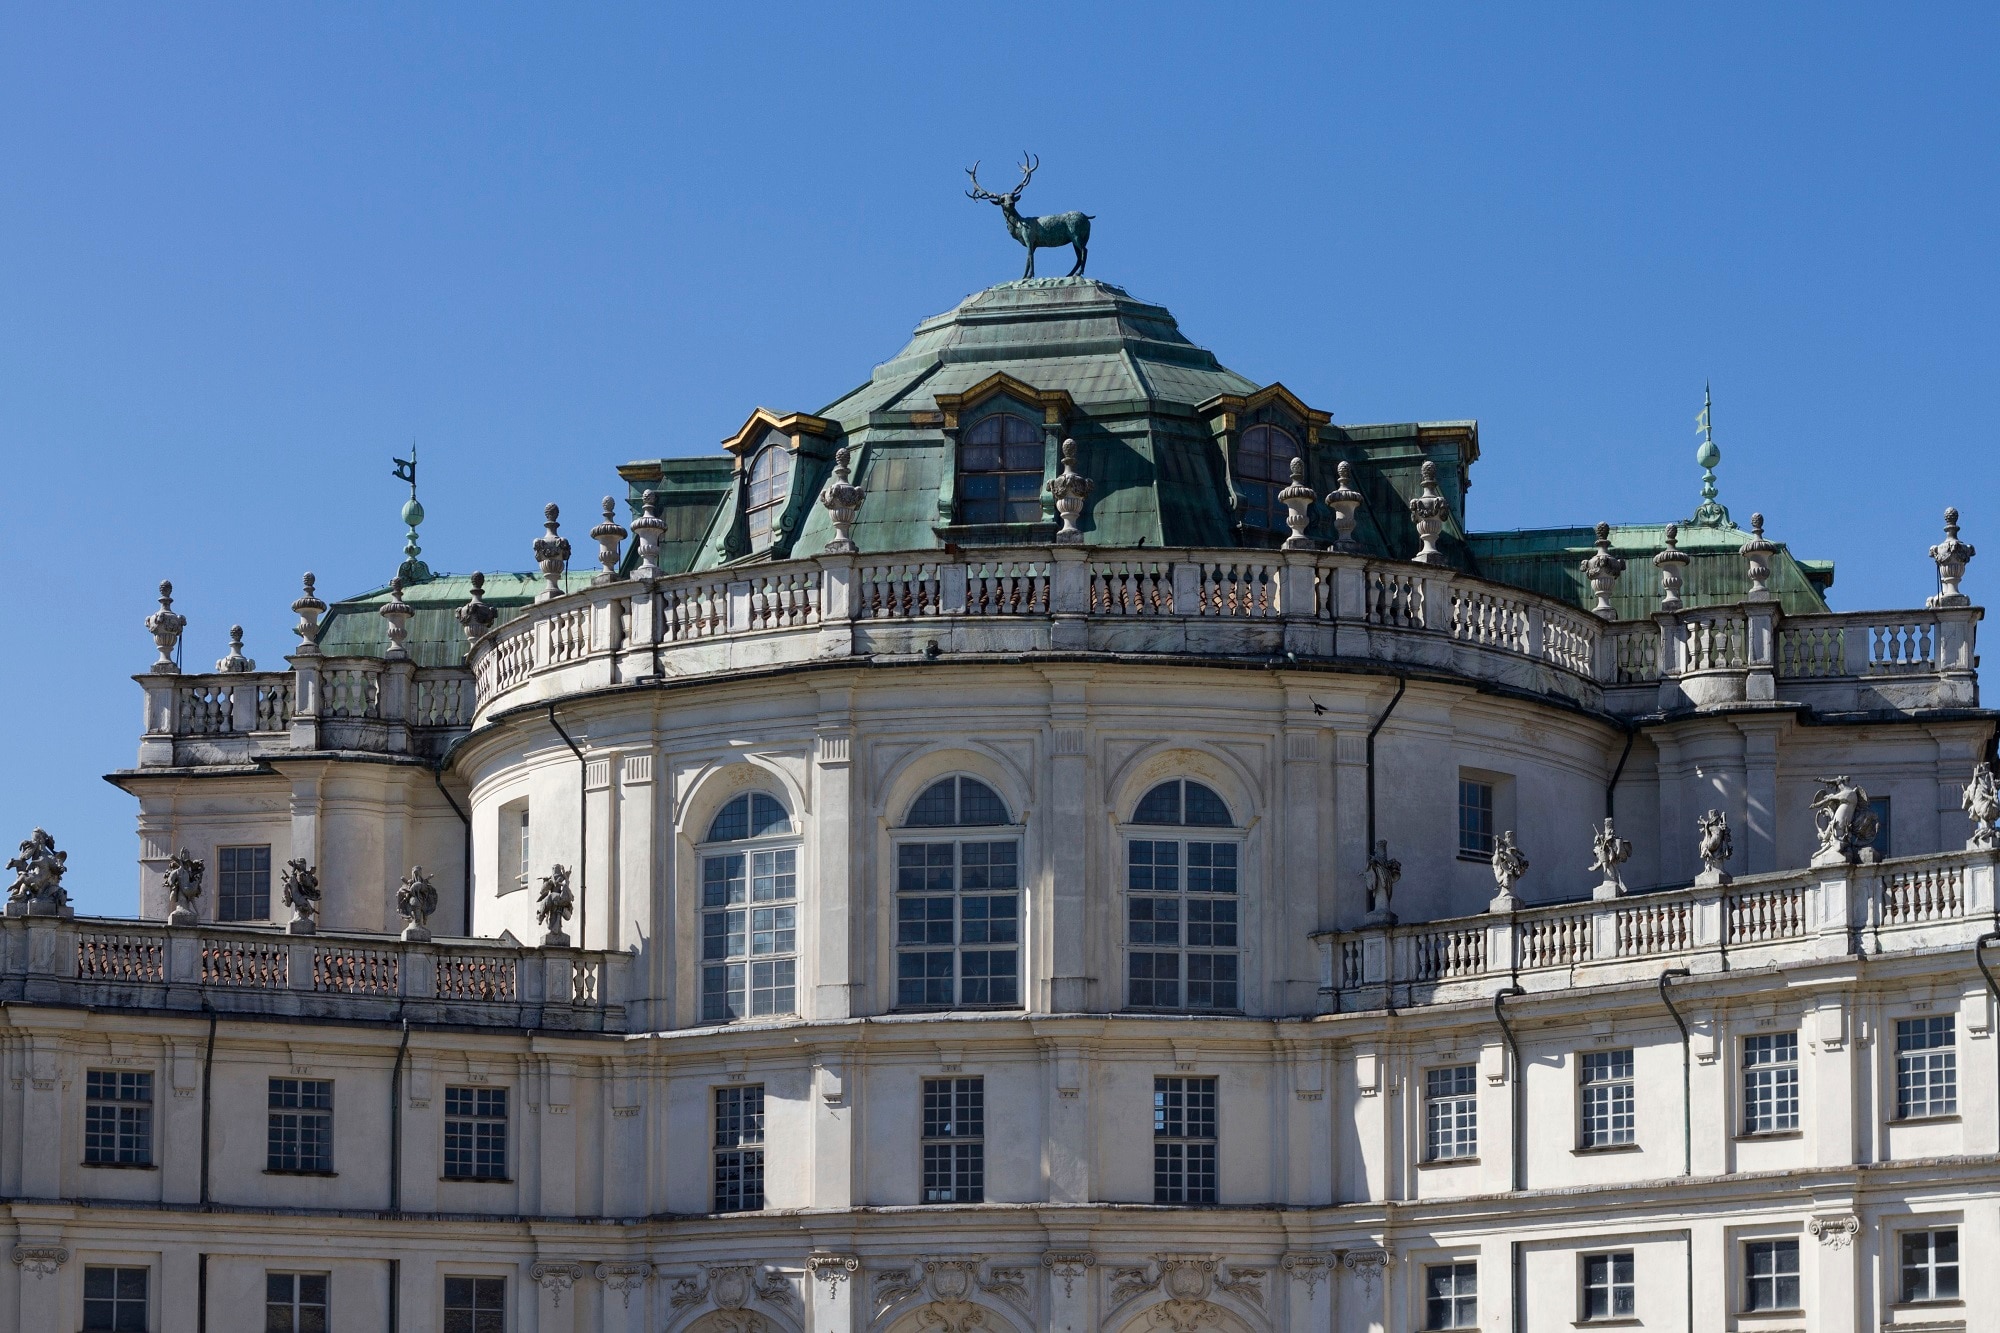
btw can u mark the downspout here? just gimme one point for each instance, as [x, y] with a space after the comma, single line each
[395, 1295]
[201, 1294]
[1687, 1095]
[1515, 1082]
[207, 1099]
[396, 1124]
[437, 776]
[1687, 1253]
[1402, 683]
[1611, 787]
[582, 831]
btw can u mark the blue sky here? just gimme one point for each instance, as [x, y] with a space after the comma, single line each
[249, 252]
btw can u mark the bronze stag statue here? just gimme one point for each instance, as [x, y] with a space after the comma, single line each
[1051, 230]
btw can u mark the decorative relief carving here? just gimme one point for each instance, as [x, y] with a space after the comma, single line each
[1837, 1231]
[1307, 1268]
[1067, 1266]
[832, 1269]
[555, 1278]
[41, 1260]
[624, 1279]
[1368, 1267]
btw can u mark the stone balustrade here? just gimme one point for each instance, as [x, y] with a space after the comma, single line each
[322, 703]
[1897, 906]
[250, 970]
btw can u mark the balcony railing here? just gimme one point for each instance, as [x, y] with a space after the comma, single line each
[1797, 917]
[120, 963]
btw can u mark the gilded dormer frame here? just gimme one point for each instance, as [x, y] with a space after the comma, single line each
[1228, 415]
[805, 437]
[1055, 408]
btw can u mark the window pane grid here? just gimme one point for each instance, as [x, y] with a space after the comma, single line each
[1926, 1067]
[1263, 468]
[749, 924]
[1930, 1265]
[1184, 1140]
[1181, 932]
[118, 1117]
[1451, 1113]
[1610, 1102]
[1771, 1275]
[243, 889]
[114, 1300]
[739, 1149]
[475, 1133]
[954, 1145]
[301, 1125]
[475, 1305]
[1451, 1296]
[1609, 1291]
[958, 928]
[1771, 1083]
[295, 1303]
[1000, 463]
[1475, 818]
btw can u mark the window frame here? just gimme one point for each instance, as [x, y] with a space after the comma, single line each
[478, 1124]
[1588, 1131]
[953, 1146]
[1459, 1271]
[228, 889]
[296, 1303]
[118, 1297]
[1770, 1089]
[479, 1290]
[513, 845]
[761, 518]
[1007, 499]
[1610, 1286]
[1480, 845]
[1461, 1133]
[1186, 903]
[742, 1155]
[1259, 494]
[1186, 1166]
[738, 1002]
[957, 836]
[123, 1112]
[274, 1160]
[1934, 1063]
[1931, 1266]
[1746, 1250]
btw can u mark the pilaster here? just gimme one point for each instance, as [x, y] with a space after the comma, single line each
[1760, 793]
[833, 959]
[1069, 799]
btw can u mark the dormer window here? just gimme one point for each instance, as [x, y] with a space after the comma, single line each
[1263, 468]
[1000, 471]
[770, 487]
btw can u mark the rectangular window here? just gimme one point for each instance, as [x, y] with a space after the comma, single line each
[294, 1303]
[114, 1300]
[749, 934]
[1183, 1140]
[475, 1305]
[1930, 1265]
[1451, 1113]
[523, 846]
[1608, 1289]
[1771, 1275]
[243, 888]
[958, 925]
[118, 1118]
[1181, 930]
[1879, 807]
[475, 1133]
[1610, 1104]
[1451, 1296]
[954, 1140]
[301, 1125]
[739, 1149]
[1926, 1068]
[1771, 1083]
[1475, 818]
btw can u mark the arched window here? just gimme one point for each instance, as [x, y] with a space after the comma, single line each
[1000, 471]
[749, 911]
[770, 487]
[1264, 457]
[958, 902]
[1180, 902]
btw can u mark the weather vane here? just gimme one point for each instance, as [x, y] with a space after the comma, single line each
[1045, 232]
[413, 569]
[1710, 513]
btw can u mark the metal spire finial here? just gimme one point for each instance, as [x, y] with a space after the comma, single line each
[413, 569]
[1710, 513]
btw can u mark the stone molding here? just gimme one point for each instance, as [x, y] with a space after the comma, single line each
[41, 1260]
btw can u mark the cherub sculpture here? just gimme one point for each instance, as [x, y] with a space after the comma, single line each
[1981, 803]
[301, 884]
[182, 879]
[1509, 865]
[1608, 851]
[554, 906]
[416, 900]
[1843, 821]
[1380, 877]
[38, 872]
[1716, 847]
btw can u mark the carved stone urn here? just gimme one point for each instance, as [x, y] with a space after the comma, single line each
[476, 617]
[165, 625]
[551, 554]
[308, 608]
[1070, 489]
[1602, 569]
[1672, 562]
[1344, 500]
[1429, 511]
[1951, 555]
[1297, 499]
[397, 612]
[610, 538]
[842, 499]
[1757, 555]
[646, 532]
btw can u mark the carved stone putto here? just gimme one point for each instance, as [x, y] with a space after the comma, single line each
[610, 537]
[551, 554]
[38, 872]
[165, 625]
[1608, 851]
[416, 900]
[1381, 876]
[1602, 569]
[553, 906]
[301, 886]
[1297, 499]
[1509, 865]
[1981, 803]
[182, 879]
[1716, 848]
[1428, 511]
[1672, 562]
[1951, 555]
[842, 499]
[1843, 821]
[1344, 500]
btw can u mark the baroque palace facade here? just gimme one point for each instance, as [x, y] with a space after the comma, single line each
[1063, 838]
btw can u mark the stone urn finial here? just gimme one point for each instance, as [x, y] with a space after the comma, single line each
[1344, 500]
[551, 553]
[235, 661]
[1429, 511]
[1070, 489]
[416, 899]
[1602, 569]
[182, 880]
[308, 608]
[1672, 562]
[1757, 554]
[476, 617]
[1951, 555]
[646, 532]
[1297, 499]
[610, 537]
[397, 612]
[165, 625]
[842, 499]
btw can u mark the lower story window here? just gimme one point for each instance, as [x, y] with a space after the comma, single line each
[1183, 1140]
[954, 1140]
[1930, 1265]
[1771, 1275]
[294, 1303]
[1609, 1291]
[475, 1133]
[1451, 1296]
[114, 1300]
[475, 1305]
[739, 1149]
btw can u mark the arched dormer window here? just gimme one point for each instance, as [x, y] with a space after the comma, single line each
[770, 487]
[749, 911]
[958, 901]
[1000, 471]
[1263, 467]
[1180, 901]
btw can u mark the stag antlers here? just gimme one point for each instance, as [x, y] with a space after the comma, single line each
[1029, 165]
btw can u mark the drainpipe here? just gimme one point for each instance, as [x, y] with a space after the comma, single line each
[395, 1296]
[583, 833]
[1402, 683]
[207, 1099]
[437, 776]
[1516, 1082]
[1687, 1096]
[1611, 787]
[1520, 1296]
[201, 1294]
[396, 1124]
[1979, 957]
[1687, 1253]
